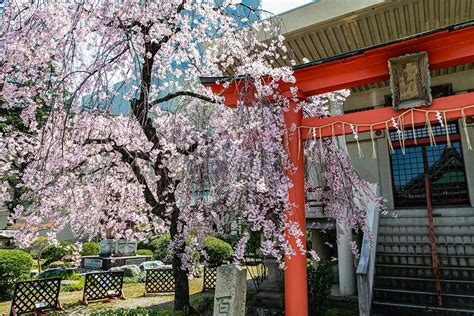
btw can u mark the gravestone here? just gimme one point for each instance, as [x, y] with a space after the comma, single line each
[231, 289]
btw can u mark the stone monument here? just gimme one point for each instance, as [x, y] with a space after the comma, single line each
[231, 289]
[114, 253]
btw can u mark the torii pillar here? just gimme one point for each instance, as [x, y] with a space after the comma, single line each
[296, 289]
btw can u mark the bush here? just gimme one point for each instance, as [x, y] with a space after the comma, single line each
[74, 286]
[320, 280]
[218, 251]
[139, 278]
[90, 249]
[160, 245]
[14, 265]
[57, 264]
[144, 252]
[55, 253]
[65, 274]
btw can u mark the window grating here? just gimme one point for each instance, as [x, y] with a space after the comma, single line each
[447, 177]
[444, 166]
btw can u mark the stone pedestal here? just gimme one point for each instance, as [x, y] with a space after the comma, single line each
[231, 291]
[271, 298]
[114, 253]
[105, 263]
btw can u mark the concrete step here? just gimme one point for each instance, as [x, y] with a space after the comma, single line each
[423, 272]
[397, 309]
[446, 212]
[425, 260]
[425, 249]
[425, 239]
[428, 298]
[425, 285]
[405, 296]
[392, 230]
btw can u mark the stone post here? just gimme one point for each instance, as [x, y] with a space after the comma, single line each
[345, 259]
[231, 289]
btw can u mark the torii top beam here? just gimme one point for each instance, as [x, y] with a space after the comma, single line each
[446, 47]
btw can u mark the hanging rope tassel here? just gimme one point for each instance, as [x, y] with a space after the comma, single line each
[401, 133]
[448, 139]
[430, 130]
[374, 152]
[466, 132]
[344, 143]
[388, 138]
[359, 149]
[413, 125]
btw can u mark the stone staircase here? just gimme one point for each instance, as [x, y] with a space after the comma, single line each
[404, 282]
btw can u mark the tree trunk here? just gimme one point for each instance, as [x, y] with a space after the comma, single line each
[181, 296]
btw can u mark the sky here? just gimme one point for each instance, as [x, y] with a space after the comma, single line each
[280, 6]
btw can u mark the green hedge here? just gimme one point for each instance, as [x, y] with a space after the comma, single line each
[144, 252]
[14, 265]
[160, 245]
[90, 248]
[218, 251]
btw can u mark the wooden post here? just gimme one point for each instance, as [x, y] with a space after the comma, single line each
[296, 290]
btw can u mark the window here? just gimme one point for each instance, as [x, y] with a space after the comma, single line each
[444, 165]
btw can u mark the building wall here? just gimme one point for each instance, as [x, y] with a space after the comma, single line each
[378, 169]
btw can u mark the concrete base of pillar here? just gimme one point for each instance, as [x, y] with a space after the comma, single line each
[345, 259]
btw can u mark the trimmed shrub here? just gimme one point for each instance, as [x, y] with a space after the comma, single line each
[55, 253]
[90, 248]
[161, 248]
[144, 252]
[15, 265]
[218, 251]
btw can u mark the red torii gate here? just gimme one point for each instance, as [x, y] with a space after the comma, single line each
[446, 47]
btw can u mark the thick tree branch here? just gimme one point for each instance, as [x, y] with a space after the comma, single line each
[182, 93]
[130, 158]
[103, 141]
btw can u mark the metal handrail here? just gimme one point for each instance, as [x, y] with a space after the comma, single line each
[366, 267]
